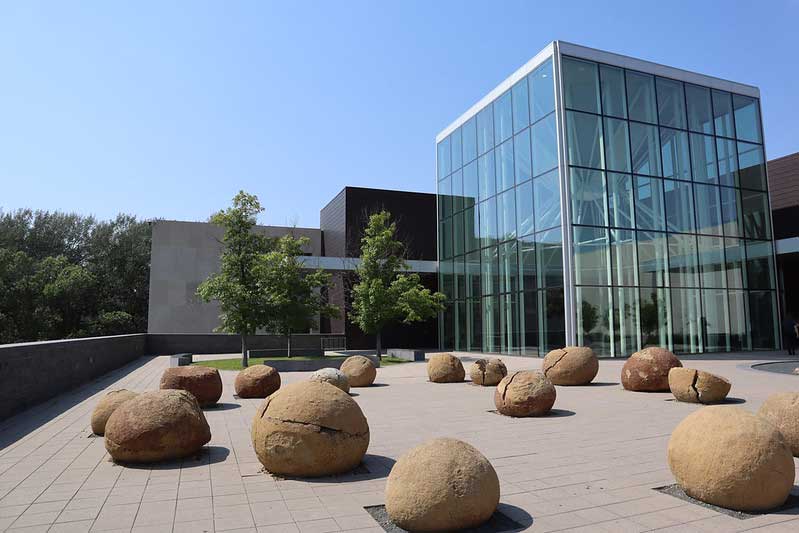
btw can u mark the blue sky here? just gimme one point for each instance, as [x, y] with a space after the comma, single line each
[167, 109]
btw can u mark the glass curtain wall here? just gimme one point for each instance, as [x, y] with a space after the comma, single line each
[500, 235]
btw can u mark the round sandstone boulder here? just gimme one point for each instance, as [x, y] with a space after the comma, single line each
[445, 368]
[697, 386]
[648, 370]
[310, 429]
[782, 410]
[442, 485]
[360, 371]
[107, 405]
[572, 365]
[729, 457]
[525, 393]
[333, 376]
[156, 426]
[257, 381]
[487, 371]
[203, 382]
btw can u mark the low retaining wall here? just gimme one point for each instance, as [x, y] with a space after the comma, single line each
[310, 365]
[200, 343]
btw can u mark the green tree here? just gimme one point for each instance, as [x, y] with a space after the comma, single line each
[236, 287]
[385, 293]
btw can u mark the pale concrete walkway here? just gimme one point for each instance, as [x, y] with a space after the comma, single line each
[591, 467]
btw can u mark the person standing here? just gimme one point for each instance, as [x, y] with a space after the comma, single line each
[790, 333]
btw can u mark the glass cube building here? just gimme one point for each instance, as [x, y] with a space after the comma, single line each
[601, 200]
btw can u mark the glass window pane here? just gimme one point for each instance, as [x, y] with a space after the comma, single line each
[645, 149]
[460, 325]
[722, 113]
[506, 215]
[471, 229]
[503, 118]
[489, 270]
[683, 261]
[708, 209]
[485, 173]
[457, 149]
[527, 264]
[731, 216]
[739, 327]
[488, 222]
[469, 138]
[728, 162]
[620, 200]
[474, 325]
[522, 161]
[457, 191]
[471, 185]
[754, 206]
[472, 272]
[747, 118]
[641, 97]
[614, 96]
[446, 279]
[584, 139]
[549, 258]
[509, 323]
[679, 206]
[655, 327]
[676, 158]
[588, 197]
[446, 238]
[711, 261]
[508, 267]
[715, 321]
[593, 319]
[763, 316]
[652, 252]
[460, 278]
[624, 265]
[546, 197]
[457, 234]
[524, 208]
[591, 259]
[752, 166]
[686, 315]
[529, 326]
[485, 129]
[580, 85]
[625, 322]
[703, 158]
[445, 197]
[700, 111]
[617, 145]
[736, 270]
[760, 264]
[671, 103]
[504, 160]
[491, 327]
[521, 106]
[545, 146]
[551, 310]
[649, 212]
[444, 158]
[542, 91]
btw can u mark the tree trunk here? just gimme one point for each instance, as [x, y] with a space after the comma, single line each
[245, 357]
[288, 346]
[379, 347]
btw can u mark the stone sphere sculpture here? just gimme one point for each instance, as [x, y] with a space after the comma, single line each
[487, 372]
[310, 429]
[782, 410]
[203, 382]
[648, 370]
[445, 368]
[257, 381]
[697, 386]
[332, 376]
[572, 365]
[156, 426]
[441, 485]
[525, 393]
[727, 456]
[107, 405]
[360, 371]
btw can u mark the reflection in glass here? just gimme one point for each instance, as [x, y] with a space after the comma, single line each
[703, 158]
[722, 113]
[736, 272]
[747, 118]
[457, 149]
[614, 97]
[682, 261]
[588, 197]
[728, 162]
[508, 267]
[522, 162]
[649, 203]
[489, 270]
[459, 275]
[679, 206]
[754, 206]
[546, 196]
[591, 259]
[472, 272]
[457, 191]
[503, 118]
[739, 329]
[671, 103]
[542, 91]
[471, 229]
[763, 319]
[445, 197]
[457, 234]
[686, 314]
[485, 173]
[549, 258]
[752, 166]
[584, 134]
[485, 130]
[626, 339]
[524, 208]
[580, 85]
[700, 110]
[446, 280]
[655, 327]
[624, 265]
[675, 155]
[715, 318]
[652, 252]
[641, 97]
[509, 323]
[645, 149]
[491, 329]
[469, 134]
[506, 215]
[529, 323]
[504, 159]
[593, 318]
[460, 325]
[545, 145]
[759, 265]
[620, 200]
[521, 106]
[711, 261]
[617, 145]
[488, 222]
[528, 275]
[553, 319]
[443, 158]
[731, 216]
[471, 184]
[708, 209]
[475, 330]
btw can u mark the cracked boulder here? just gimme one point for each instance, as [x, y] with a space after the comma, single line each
[445, 368]
[697, 386]
[332, 376]
[360, 371]
[441, 485]
[782, 410]
[156, 426]
[487, 371]
[203, 382]
[310, 429]
[648, 370]
[257, 381]
[729, 457]
[107, 405]
[572, 365]
[525, 393]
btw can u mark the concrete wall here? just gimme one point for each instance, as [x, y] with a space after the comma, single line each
[172, 343]
[783, 181]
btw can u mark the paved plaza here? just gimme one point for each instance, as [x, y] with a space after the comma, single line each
[591, 466]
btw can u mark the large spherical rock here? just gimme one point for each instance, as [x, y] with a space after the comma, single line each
[203, 382]
[697, 386]
[333, 376]
[525, 393]
[257, 381]
[442, 485]
[360, 371]
[572, 365]
[445, 368]
[107, 405]
[648, 370]
[487, 372]
[782, 410]
[310, 429]
[156, 426]
[729, 457]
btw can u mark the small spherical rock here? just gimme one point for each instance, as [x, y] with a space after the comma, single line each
[310, 429]
[648, 370]
[257, 381]
[487, 372]
[360, 371]
[525, 393]
[697, 386]
[156, 426]
[782, 410]
[572, 365]
[445, 368]
[203, 382]
[332, 376]
[727, 456]
[442, 485]
[107, 405]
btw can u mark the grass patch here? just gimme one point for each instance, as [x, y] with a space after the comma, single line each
[235, 363]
